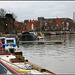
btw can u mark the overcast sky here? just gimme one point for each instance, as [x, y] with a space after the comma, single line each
[33, 9]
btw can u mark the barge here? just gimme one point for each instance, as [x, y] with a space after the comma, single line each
[13, 62]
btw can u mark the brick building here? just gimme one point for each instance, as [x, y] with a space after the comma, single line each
[7, 24]
[52, 24]
[57, 24]
[20, 26]
[32, 25]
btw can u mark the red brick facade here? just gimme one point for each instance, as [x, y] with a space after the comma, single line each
[56, 24]
[20, 26]
[32, 25]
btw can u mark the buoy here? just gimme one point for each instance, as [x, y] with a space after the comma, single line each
[22, 70]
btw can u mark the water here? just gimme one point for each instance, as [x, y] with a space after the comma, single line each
[59, 58]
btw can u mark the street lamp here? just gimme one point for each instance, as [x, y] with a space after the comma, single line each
[6, 24]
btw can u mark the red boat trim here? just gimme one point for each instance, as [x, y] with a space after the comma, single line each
[18, 52]
[45, 69]
[8, 53]
[15, 61]
[50, 72]
[9, 68]
[4, 53]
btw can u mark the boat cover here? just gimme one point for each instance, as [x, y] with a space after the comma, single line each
[8, 44]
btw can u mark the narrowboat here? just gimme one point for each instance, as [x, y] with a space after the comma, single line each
[13, 62]
[27, 36]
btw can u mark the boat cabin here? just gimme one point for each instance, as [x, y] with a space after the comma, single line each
[8, 44]
[8, 40]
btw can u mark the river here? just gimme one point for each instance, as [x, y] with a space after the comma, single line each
[58, 58]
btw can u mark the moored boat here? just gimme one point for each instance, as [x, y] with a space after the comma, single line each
[27, 36]
[40, 35]
[14, 62]
[52, 33]
[8, 43]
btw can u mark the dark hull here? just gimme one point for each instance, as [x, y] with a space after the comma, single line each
[26, 36]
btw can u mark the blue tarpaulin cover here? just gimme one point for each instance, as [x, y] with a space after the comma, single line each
[8, 44]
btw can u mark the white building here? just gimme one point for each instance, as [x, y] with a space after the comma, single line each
[74, 17]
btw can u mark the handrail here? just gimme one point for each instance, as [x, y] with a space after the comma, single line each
[9, 68]
[11, 63]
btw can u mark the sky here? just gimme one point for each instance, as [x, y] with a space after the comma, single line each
[26, 10]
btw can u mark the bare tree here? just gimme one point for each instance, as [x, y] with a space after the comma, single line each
[14, 16]
[2, 13]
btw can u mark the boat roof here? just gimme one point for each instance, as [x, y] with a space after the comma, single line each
[2, 38]
[9, 38]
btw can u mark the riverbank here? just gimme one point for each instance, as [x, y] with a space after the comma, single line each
[58, 32]
[45, 33]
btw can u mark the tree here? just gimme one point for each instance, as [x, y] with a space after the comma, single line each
[7, 22]
[14, 16]
[2, 13]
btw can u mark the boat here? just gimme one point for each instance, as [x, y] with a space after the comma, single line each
[13, 62]
[40, 35]
[8, 43]
[52, 33]
[27, 36]
[31, 35]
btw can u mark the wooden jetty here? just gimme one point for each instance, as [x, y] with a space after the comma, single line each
[42, 42]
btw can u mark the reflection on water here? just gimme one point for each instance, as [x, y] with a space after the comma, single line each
[59, 58]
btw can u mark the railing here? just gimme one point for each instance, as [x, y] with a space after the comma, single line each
[9, 68]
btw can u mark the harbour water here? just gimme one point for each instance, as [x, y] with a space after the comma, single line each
[59, 58]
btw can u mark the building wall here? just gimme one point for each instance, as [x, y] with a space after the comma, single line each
[54, 24]
[20, 26]
[58, 24]
[7, 25]
[32, 25]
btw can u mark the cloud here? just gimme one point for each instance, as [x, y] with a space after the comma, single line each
[33, 9]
